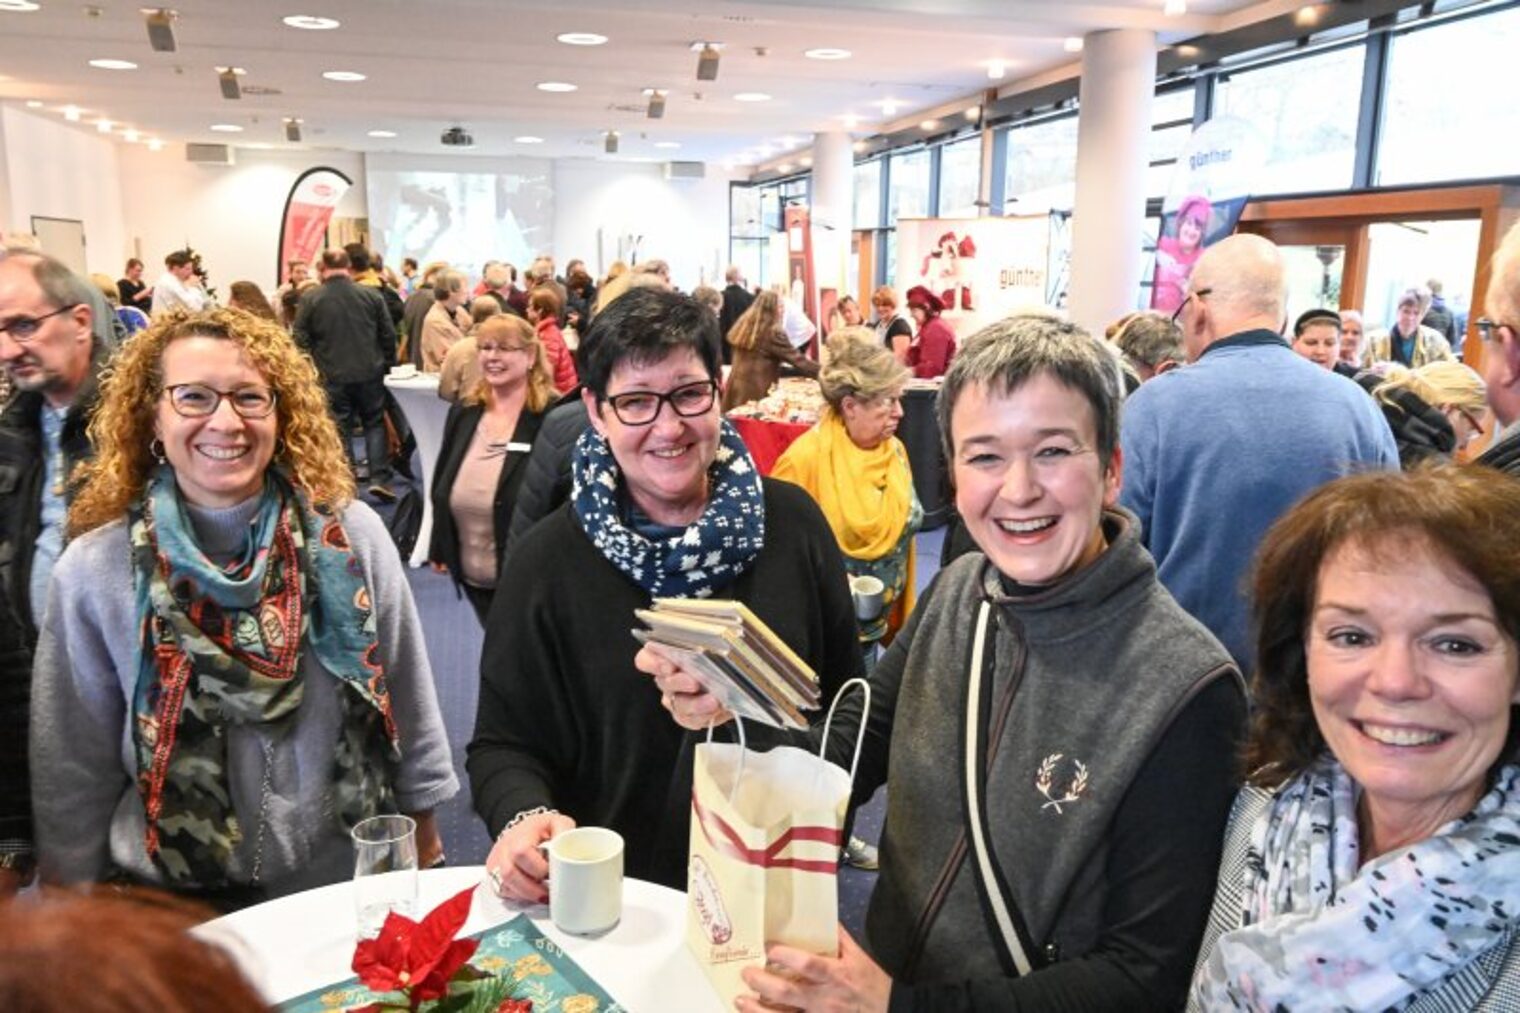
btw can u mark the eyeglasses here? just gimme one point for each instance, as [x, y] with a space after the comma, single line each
[641, 407]
[198, 401]
[1488, 329]
[23, 329]
[488, 349]
[1198, 294]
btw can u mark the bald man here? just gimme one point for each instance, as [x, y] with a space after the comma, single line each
[1218, 450]
[1500, 331]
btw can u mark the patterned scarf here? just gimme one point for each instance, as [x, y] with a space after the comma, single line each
[1319, 930]
[702, 557]
[223, 646]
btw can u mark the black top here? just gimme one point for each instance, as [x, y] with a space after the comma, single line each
[132, 294]
[458, 432]
[347, 329]
[898, 327]
[565, 720]
[547, 482]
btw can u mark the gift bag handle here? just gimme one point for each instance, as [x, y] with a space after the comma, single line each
[743, 748]
[860, 737]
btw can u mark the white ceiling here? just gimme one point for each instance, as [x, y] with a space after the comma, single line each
[434, 63]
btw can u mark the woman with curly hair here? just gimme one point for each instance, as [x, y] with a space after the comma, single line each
[231, 672]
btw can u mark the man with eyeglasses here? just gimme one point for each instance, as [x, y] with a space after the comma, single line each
[52, 357]
[1500, 331]
[1216, 451]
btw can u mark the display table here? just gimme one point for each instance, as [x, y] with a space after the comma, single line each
[767, 441]
[295, 944]
[425, 412]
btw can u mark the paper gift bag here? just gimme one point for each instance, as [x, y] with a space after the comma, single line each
[766, 830]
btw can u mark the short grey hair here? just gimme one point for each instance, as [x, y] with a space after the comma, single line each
[1004, 356]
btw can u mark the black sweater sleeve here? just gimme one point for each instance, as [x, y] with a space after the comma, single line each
[1165, 848]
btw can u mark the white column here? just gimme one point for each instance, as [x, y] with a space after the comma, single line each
[1118, 81]
[833, 208]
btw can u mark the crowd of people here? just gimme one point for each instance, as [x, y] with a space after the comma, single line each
[1211, 706]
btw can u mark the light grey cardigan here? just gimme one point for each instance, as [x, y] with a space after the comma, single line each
[89, 814]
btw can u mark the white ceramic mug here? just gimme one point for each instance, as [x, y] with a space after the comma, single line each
[868, 592]
[585, 880]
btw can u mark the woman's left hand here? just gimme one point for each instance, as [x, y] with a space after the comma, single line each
[797, 979]
[429, 844]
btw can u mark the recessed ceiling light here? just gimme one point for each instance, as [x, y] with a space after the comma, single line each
[113, 64]
[129, 135]
[33, 104]
[1073, 45]
[528, 139]
[826, 53]
[19, 6]
[996, 69]
[752, 96]
[929, 125]
[784, 167]
[227, 128]
[104, 126]
[556, 86]
[311, 22]
[860, 147]
[346, 76]
[667, 144]
[71, 113]
[1175, 8]
[972, 112]
[851, 121]
[889, 108]
[382, 133]
[581, 38]
[807, 161]
[154, 144]
[1304, 16]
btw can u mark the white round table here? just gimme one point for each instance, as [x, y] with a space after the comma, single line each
[425, 412]
[295, 944]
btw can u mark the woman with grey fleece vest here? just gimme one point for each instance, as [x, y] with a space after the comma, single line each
[1057, 733]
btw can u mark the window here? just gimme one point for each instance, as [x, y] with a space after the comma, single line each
[1445, 116]
[909, 176]
[1042, 167]
[868, 194]
[960, 177]
[1306, 110]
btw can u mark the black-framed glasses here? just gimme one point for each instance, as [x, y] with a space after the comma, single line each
[1488, 329]
[198, 401]
[23, 328]
[641, 407]
[1199, 294]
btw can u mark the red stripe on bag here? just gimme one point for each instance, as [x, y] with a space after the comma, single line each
[724, 838]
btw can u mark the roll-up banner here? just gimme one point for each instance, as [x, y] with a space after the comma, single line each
[980, 269]
[308, 210]
[1215, 176]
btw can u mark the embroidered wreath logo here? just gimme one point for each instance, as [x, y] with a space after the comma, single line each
[1045, 778]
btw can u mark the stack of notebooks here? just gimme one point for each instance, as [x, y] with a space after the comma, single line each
[735, 656]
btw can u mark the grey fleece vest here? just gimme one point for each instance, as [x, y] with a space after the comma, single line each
[1098, 667]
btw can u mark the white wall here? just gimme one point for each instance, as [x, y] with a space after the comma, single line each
[58, 171]
[230, 214]
[682, 221]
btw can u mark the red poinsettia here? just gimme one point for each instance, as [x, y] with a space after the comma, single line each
[418, 959]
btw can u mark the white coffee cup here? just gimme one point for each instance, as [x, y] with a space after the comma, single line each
[868, 592]
[585, 880]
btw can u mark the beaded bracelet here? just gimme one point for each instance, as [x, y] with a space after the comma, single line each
[538, 810]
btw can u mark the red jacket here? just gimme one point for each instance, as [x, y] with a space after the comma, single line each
[561, 362]
[932, 350]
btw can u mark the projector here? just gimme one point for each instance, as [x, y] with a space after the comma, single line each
[457, 137]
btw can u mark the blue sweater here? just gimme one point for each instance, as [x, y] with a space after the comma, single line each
[1215, 452]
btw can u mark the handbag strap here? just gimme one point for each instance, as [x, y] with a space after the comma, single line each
[1015, 948]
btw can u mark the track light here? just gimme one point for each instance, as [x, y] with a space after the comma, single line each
[292, 130]
[229, 81]
[707, 63]
[656, 108]
[161, 30]
[610, 142]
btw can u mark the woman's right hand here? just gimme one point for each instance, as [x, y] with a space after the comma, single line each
[688, 701]
[516, 865]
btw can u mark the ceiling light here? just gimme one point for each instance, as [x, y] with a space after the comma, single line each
[382, 133]
[851, 121]
[33, 104]
[707, 62]
[1188, 52]
[154, 144]
[71, 113]
[1305, 16]
[1175, 8]
[784, 167]
[860, 147]
[929, 125]
[527, 139]
[104, 126]
[972, 113]
[1073, 44]
[346, 76]
[310, 22]
[996, 69]
[889, 108]
[667, 144]
[826, 53]
[581, 38]
[160, 23]
[610, 142]
[752, 96]
[19, 6]
[807, 161]
[555, 86]
[130, 136]
[113, 64]
[227, 128]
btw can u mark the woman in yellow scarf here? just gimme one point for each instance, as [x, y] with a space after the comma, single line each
[857, 470]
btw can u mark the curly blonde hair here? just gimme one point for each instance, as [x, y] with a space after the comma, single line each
[132, 383]
[505, 327]
[859, 366]
[1440, 384]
